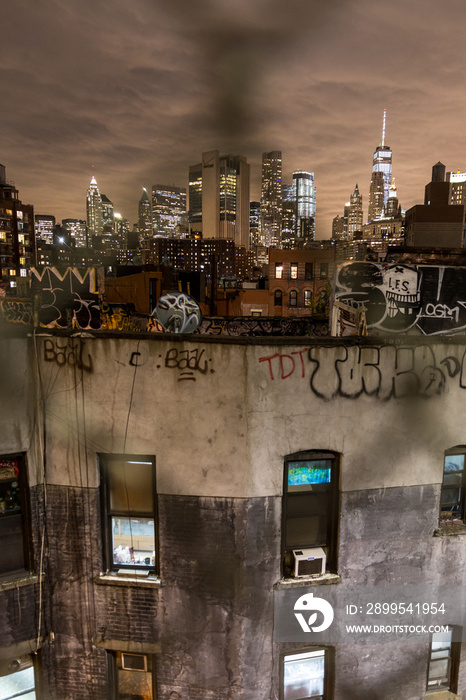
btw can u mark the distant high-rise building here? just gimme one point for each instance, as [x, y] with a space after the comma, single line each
[354, 213]
[44, 225]
[94, 210]
[122, 230]
[338, 231]
[107, 213]
[288, 215]
[76, 231]
[271, 199]
[17, 236]
[376, 196]
[392, 207]
[305, 198]
[382, 161]
[169, 215]
[144, 214]
[457, 187]
[219, 197]
[255, 223]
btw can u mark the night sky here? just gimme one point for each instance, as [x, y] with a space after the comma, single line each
[134, 91]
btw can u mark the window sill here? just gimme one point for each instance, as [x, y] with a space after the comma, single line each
[113, 579]
[18, 580]
[442, 695]
[325, 579]
[450, 527]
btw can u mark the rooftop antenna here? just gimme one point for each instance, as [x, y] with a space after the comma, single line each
[383, 126]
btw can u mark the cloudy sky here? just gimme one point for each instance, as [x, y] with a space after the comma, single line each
[134, 91]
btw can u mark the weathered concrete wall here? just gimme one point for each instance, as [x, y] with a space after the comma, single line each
[219, 418]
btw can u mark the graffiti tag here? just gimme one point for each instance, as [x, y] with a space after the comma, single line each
[188, 362]
[384, 372]
[70, 353]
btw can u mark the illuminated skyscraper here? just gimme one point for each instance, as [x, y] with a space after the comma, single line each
[382, 162]
[76, 231]
[305, 197]
[94, 210]
[169, 216]
[219, 197]
[44, 225]
[271, 199]
[354, 213]
[255, 223]
[376, 196]
[144, 215]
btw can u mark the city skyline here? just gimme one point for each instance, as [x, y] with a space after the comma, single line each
[133, 95]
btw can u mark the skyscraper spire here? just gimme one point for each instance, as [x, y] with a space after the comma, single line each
[383, 127]
[381, 163]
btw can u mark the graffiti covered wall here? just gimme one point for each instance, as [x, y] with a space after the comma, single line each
[422, 299]
[68, 299]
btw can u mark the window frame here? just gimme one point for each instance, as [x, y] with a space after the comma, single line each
[25, 514]
[329, 669]
[324, 270]
[453, 663]
[107, 513]
[113, 668]
[444, 516]
[278, 270]
[278, 293]
[294, 271]
[333, 519]
[293, 299]
[309, 271]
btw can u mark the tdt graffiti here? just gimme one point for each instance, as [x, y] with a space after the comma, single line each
[426, 298]
[384, 372]
[286, 363]
[69, 352]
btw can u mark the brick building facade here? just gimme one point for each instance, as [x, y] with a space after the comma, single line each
[159, 482]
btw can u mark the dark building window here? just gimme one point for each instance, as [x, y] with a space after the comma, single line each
[293, 298]
[444, 660]
[307, 675]
[129, 512]
[278, 297]
[310, 513]
[132, 676]
[309, 271]
[324, 270]
[453, 488]
[14, 522]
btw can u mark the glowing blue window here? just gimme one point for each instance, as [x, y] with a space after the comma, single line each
[309, 473]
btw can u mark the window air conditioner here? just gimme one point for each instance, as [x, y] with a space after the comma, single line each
[133, 662]
[309, 562]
